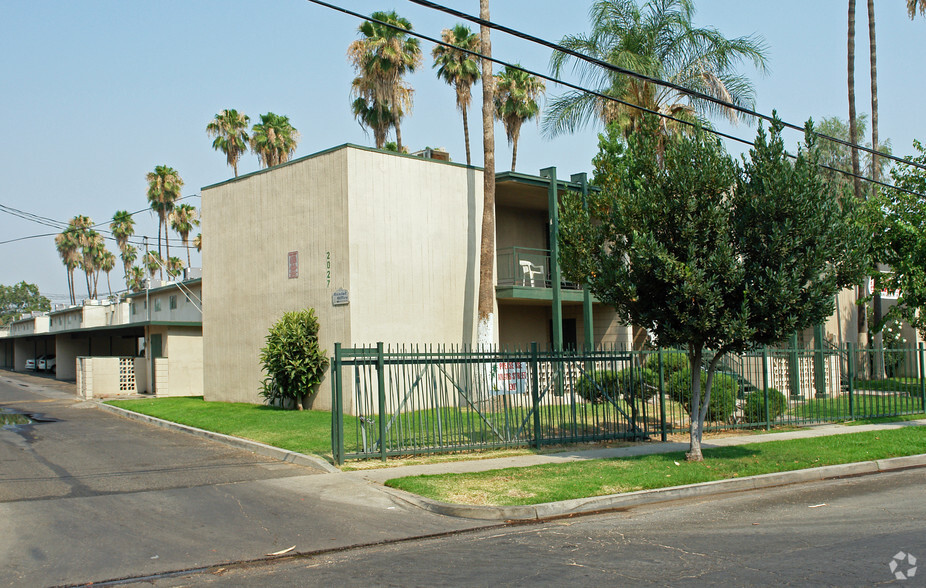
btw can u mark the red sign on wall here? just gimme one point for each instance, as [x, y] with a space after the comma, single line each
[293, 264]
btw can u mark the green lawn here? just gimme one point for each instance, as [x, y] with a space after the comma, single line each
[565, 481]
[306, 431]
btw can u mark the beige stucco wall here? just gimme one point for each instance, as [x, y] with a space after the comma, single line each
[399, 234]
[182, 373]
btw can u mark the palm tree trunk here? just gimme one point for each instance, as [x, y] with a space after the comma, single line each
[856, 182]
[515, 135]
[485, 329]
[166, 244]
[398, 136]
[188, 262]
[875, 172]
[71, 285]
[469, 160]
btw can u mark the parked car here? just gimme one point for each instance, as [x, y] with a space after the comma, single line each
[47, 363]
[30, 364]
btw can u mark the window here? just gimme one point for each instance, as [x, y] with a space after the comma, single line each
[173, 302]
[157, 305]
[134, 308]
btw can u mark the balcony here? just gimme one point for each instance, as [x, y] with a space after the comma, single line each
[525, 273]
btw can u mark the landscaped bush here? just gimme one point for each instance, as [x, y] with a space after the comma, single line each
[293, 360]
[673, 361]
[592, 386]
[723, 394]
[644, 383]
[754, 409]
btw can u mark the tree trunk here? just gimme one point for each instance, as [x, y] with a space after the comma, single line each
[695, 425]
[469, 160]
[298, 401]
[515, 135]
[856, 182]
[875, 175]
[166, 259]
[485, 329]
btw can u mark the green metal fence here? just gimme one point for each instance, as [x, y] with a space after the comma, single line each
[402, 401]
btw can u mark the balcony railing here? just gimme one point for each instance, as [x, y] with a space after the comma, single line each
[522, 266]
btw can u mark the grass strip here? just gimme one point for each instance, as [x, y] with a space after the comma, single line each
[581, 479]
[307, 431]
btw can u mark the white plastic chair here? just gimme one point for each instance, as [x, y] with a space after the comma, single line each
[529, 270]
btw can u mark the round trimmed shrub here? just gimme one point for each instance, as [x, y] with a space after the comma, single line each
[754, 410]
[592, 386]
[673, 361]
[723, 394]
[645, 383]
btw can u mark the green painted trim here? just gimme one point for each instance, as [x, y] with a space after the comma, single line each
[529, 293]
[171, 286]
[539, 181]
[332, 150]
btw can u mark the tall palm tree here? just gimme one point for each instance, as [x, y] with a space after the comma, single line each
[198, 242]
[660, 41]
[370, 113]
[164, 185]
[459, 69]
[93, 249]
[153, 263]
[861, 290]
[123, 227]
[174, 266]
[129, 255]
[182, 220]
[913, 5]
[68, 244]
[382, 56]
[230, 129]
[136, 279]
[516, 102]
[274, 139]
[485, 309]
[107, 263]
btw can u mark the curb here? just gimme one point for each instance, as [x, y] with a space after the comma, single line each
[643, 497]
[237, 442]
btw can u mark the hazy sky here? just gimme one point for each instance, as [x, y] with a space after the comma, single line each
[96, 93]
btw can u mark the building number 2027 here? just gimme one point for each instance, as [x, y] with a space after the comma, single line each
[328, 267]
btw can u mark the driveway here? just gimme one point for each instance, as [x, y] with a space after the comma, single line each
[88, 496]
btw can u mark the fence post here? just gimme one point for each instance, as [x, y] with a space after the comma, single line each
[850, 370]
[922, 381]
[768, 416]
[381, 392]
[662, 399]
[535, 393]
[337, 405]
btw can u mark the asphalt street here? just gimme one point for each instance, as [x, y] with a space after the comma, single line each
[90, 496]
[832, 533]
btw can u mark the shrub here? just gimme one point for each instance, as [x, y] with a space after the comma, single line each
[292, 359]
[591, 386]
[673, 361]
[754, 409]
[645, 386]
[723, 394]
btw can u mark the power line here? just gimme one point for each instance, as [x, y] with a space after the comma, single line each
[606, 96]
[667, 84]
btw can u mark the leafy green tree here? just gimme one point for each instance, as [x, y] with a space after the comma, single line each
[382, 56]
[293, 360]
[459, 69]
[657, 39]
[900, 239]
[18, 299]
[164, 185]
[274, 139]
[183, 220]
[516, 98]
[230, 129]
[707, 255]
[839, 156]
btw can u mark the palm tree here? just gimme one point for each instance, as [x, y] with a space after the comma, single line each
[660, 41]
[123, 227]
[371, 114]
[274, 139]
[182, 220]
[67, 244]
[382, 56]
[485, 309]
[136, 279]
[153, 262]
[912, 6]
[198, 242]
[129, 255]
[93, 248]
[861, 293]
[459, 69]
[174, 267]
[107, 263]
[516, 102]
[230, 129]
[164, 186]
